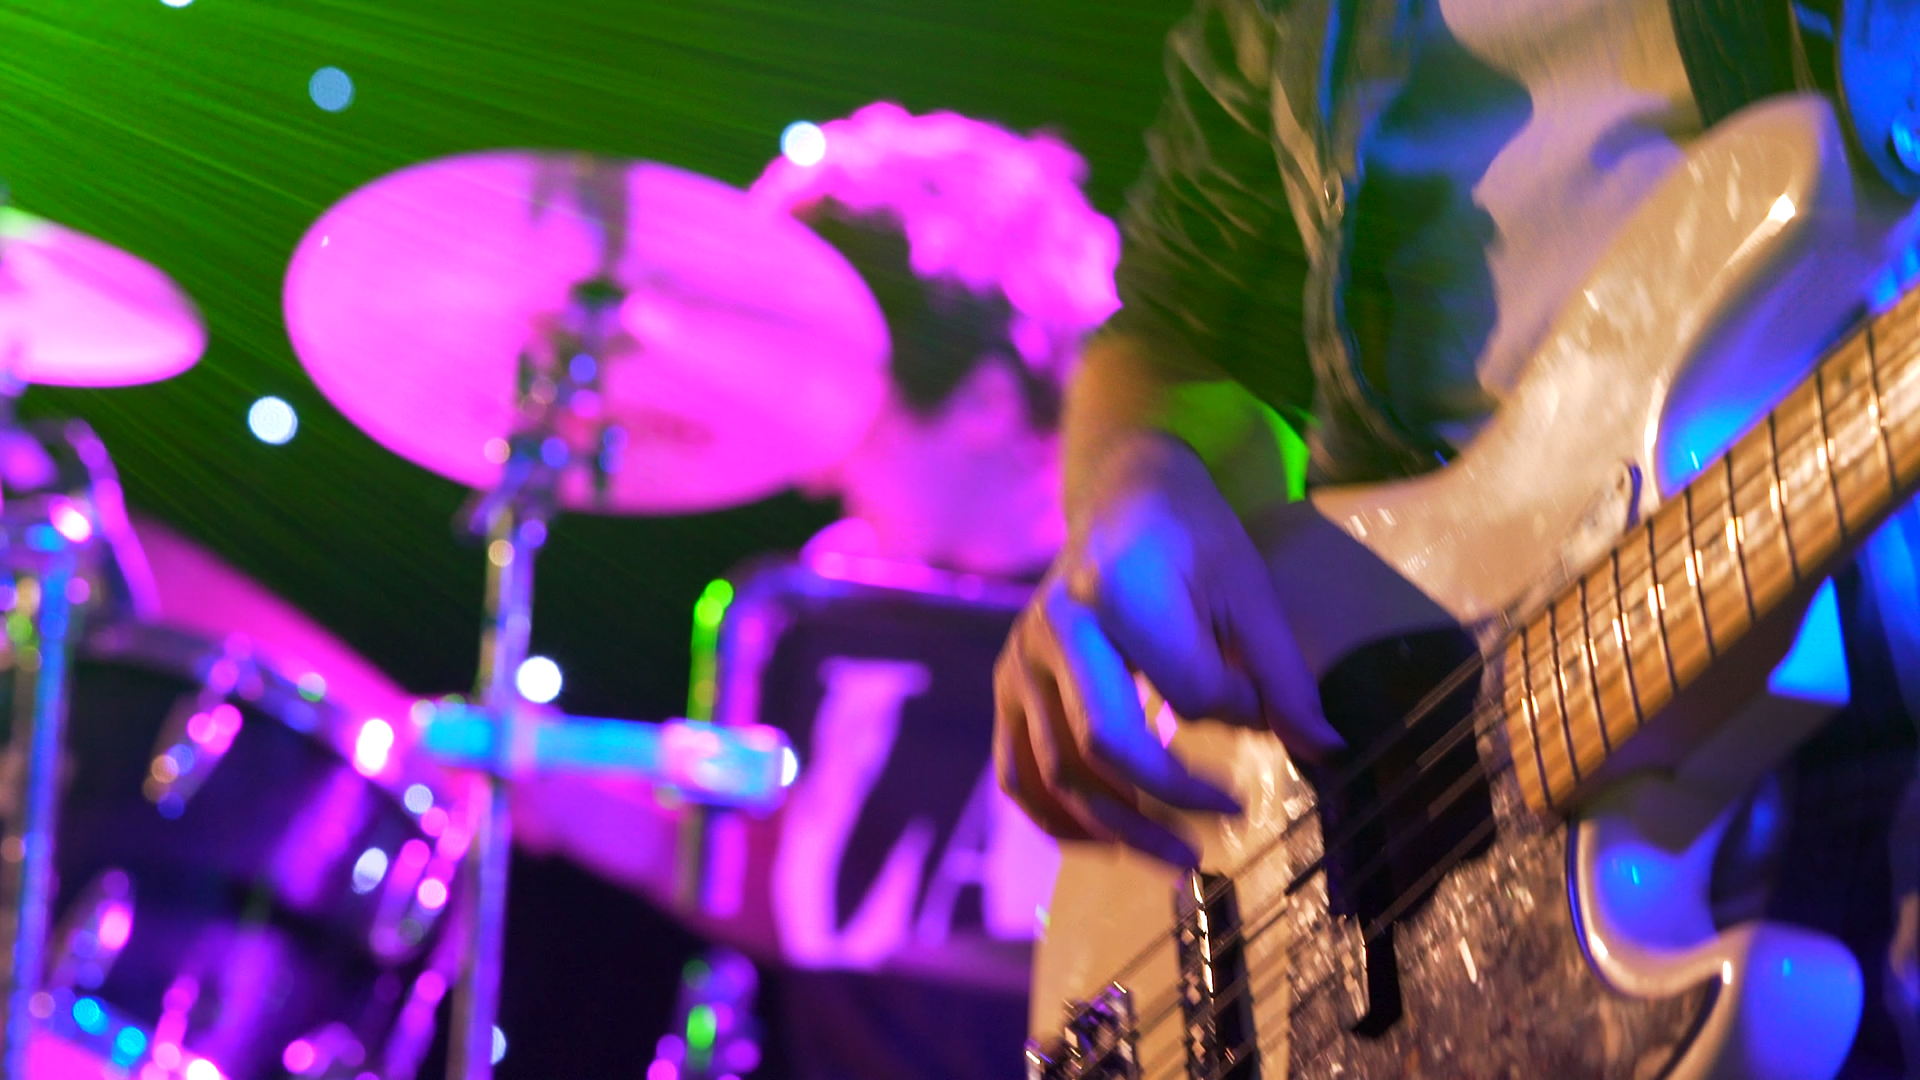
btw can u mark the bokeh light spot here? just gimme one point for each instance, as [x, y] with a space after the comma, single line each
[312, 686]
[331, 89]
[418, 798]
[272, 421]
[803, 143]
[539, 680]
[372, 745]
[368, 871]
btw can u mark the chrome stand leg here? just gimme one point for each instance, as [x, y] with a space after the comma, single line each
[512, 544]
[40, 806]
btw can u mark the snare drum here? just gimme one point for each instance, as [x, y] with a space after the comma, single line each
[253, 875]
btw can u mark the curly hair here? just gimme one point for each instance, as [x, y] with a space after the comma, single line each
[976, 241]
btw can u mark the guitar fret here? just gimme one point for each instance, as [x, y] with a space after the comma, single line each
[1736, 540]
[1523, 736]
[1861, 481]
[1626, 644]
[1550, 732]
[1621, 640]
[1825, 452]
[1714, 536]
[1592, 658]
[1696, 573]
[1684, 627]
[1646, 639]
[1779, 495]
[1765, 557]
[1813, 518]
[1573, 724]
[1896, 345]
[1877, 413]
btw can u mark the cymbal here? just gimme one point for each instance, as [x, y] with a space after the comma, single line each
[75, 311]
[749, 353]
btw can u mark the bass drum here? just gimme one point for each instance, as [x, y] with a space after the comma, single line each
[254, 872]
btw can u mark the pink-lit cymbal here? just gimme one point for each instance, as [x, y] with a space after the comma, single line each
[75, 311]
[751, 353]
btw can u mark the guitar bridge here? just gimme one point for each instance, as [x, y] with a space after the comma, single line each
[1097, 1042]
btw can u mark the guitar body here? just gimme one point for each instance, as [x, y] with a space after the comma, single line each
[1569, 944]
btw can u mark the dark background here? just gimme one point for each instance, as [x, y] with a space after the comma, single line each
[187, 137]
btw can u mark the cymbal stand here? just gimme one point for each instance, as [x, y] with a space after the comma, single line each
[513, 519]
[46, 542]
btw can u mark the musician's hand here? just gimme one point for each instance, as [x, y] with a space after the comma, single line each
[1159, 577]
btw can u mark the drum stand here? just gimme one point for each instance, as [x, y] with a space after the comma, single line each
[513, 519]
[46, 540]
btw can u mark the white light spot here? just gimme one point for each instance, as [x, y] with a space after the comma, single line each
[538, 679]
[273, 421]
[789, 766]
[202, 1069]
[803, 143]
[499, 1044]
[369, 870]
[176, 3]
[418, 798]
[331, 89]
[371, 746]
[1783, 209]
[71, 522]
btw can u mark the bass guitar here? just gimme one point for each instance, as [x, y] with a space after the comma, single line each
[1550, 661]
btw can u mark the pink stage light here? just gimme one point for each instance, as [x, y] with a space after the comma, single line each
[433, 894]
[116, 926]
[298, 1057]
[214, 730]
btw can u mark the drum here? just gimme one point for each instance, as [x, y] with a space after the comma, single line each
[254, 875]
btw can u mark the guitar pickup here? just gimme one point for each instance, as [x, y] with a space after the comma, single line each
[1215, 999]
[1097, 1042]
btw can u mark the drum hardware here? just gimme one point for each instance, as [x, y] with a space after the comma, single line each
[747, 767]
[74, 311]
[595, 334]
[47, 543]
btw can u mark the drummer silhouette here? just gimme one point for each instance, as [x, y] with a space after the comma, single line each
[894, 898]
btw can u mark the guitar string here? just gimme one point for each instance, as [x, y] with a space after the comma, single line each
[1381, 924]
[1165, 1007]
[1384, 922]
[1445, 689]
[1381, 860]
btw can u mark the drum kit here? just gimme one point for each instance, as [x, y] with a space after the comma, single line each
[235, 849]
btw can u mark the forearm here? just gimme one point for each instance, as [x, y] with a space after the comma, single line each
[1129, 388]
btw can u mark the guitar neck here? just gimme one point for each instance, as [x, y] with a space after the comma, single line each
[1786, 504]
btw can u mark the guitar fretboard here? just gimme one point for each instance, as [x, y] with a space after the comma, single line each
[1783, 506]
